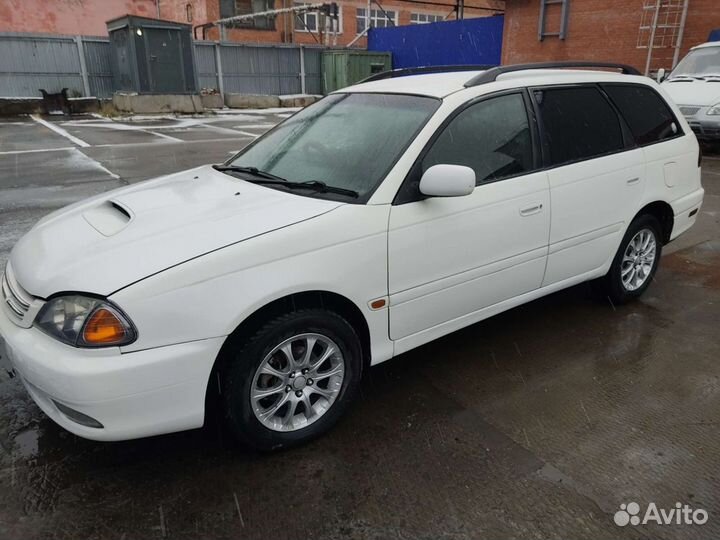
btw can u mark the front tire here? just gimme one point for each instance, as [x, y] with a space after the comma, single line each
[292, 380]
[636, 261]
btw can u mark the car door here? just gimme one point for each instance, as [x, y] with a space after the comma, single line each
[596, 176]
[451, 257]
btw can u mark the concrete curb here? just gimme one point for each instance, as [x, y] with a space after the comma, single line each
[262, 101]
[158, 103]
[15, 106]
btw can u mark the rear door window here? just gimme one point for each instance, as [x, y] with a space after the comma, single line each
[579, 123]
[649, 118]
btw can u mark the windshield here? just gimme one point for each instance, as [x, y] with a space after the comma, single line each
[699, 62]
[347, 141]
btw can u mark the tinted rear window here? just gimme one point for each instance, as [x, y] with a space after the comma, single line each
[648, 116]
[579, 123]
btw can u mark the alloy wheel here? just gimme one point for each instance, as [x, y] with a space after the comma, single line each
[638, 259]
[297, 382]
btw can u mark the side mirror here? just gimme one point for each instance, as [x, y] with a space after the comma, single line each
[447, 181]
[660, 76]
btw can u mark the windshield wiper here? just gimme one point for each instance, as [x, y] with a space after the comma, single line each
[314, 185]
[263, 177]
[253, 171]
[317, 185]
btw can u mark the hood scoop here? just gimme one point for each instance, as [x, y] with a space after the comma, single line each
[108, 218]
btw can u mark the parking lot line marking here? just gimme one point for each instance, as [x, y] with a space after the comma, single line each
[60, 131]
[164, 142]
[10, 152]
[221, 129]
[247, 133]
[255, 126]
[163, 136]
[98, 164]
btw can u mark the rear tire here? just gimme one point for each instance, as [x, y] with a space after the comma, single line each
[277, 394]
[636, 261]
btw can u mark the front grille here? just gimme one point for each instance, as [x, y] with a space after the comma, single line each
[689, 111]
[16, 300]
[704, 132]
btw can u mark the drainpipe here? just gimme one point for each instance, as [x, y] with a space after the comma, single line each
[157, 5]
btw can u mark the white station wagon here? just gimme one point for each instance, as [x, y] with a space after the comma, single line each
[384, 216]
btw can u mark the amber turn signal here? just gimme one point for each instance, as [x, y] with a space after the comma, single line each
[103, 328]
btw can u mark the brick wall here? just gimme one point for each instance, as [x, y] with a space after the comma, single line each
[178, 11]
[209, 10]
[603, 30]
[71, 17]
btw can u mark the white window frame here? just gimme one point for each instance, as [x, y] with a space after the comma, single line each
[328, 27]
[417, 18]
[375, 16]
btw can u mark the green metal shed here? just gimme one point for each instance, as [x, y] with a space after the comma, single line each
[341, 68]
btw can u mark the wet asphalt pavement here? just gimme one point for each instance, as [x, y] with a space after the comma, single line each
[537, 423]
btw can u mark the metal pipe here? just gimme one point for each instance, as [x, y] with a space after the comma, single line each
[83, 65]
[219, 70]
[681, 33]
[303, 89]
[356, 38]
[268, 13]
[651, 44]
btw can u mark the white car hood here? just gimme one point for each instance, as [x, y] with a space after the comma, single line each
[115, 239]
[699, 93]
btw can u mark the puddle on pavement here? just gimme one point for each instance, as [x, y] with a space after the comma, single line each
[26, 443]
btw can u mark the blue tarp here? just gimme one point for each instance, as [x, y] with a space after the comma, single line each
[714, 35]
[470, 41]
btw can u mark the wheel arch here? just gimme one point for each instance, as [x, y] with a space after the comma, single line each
[331, 301]
[663, 212]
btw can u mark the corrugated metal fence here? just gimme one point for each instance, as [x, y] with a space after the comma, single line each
[29, 62]
[258, 69]
[81, 64]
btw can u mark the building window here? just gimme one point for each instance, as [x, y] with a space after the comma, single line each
[312, 18]
[378, 19]
[189, 12]
[232, 8]
[424, 18]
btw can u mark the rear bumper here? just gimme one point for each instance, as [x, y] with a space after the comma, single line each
[131, 395]
[686, 210]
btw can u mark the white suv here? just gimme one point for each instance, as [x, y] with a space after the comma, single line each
[384, 216]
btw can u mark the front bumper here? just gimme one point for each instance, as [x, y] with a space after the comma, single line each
[136, 394]
[705, 127]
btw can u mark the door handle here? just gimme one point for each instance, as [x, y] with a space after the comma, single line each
[633, 180]
[530, 210]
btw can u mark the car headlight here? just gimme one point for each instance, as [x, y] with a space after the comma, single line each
[83, 321]
[714, 110]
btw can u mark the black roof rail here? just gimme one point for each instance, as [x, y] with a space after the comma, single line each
[492, 74]
[405, 72]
